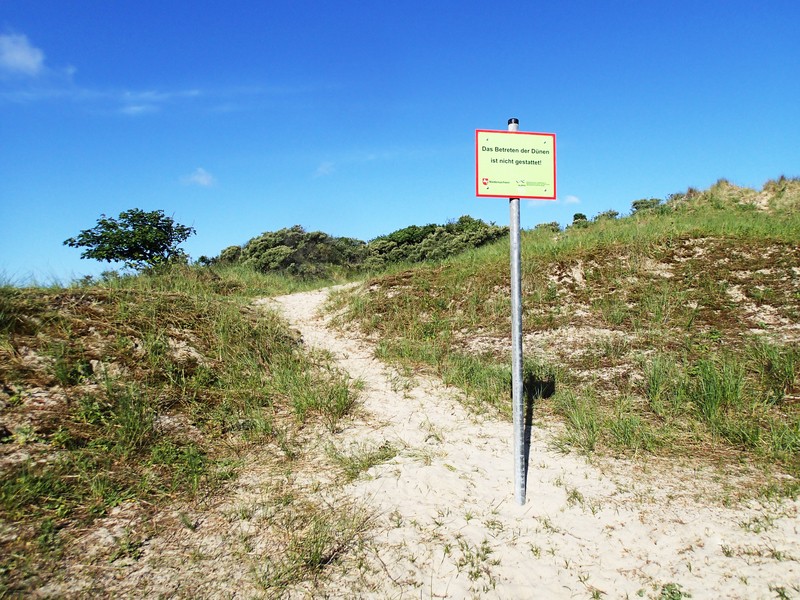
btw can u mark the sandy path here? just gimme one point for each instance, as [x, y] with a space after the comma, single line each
[449, 526]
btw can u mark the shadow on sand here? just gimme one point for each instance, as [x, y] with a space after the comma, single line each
[533, 389]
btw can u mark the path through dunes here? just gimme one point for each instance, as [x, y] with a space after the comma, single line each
[448, 525]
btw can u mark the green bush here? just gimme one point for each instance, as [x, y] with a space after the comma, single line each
[645, 204]
[295, 251]
[608, 214]
[552, 226]
[314, 254]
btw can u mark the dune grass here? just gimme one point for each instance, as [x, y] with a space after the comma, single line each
[668, 331]
[143, 389]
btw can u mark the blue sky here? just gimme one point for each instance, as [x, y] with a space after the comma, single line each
[359, 118]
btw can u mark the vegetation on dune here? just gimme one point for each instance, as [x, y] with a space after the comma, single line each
[432, 242]
[127, 392]
[669, 331]
[295, 251]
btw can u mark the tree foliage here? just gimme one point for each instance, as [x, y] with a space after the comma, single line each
[136, 238]
[579, 220]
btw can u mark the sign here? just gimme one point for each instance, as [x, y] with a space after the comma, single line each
[515, 164]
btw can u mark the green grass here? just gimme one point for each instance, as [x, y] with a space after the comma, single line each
[661, 387]
[360, 458]
[778, 367]
[235, 281]
[715, 388]
[583, 418]
[630, 430]
[312, 536]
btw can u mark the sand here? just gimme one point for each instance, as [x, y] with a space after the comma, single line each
[448, 524]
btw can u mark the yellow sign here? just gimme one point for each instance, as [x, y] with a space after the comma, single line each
[515, 164]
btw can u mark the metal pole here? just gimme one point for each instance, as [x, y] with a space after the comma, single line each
[516, 346]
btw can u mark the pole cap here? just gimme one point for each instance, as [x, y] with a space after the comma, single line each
[513, 120]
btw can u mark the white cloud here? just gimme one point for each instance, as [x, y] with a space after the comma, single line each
[47, 84]
[134, 110]
[200, 177]
[146, 102]
[155, 96]
[572, 200]
[326, 167]
[17, 55]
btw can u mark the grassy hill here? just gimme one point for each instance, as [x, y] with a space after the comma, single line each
[143, 392]
[673, 331]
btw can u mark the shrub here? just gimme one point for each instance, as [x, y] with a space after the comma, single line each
[552, 226]
[608, 214]
[298, 252]
[313, 254]
[645, 204]
[433, 242]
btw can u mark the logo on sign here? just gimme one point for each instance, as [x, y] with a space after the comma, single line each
[485, 181]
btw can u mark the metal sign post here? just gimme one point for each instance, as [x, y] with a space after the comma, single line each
[516, 346]
[516, 165]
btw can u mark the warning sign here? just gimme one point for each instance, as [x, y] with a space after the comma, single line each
[515, 164]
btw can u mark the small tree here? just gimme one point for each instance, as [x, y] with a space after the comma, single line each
[137, 238]
[579, 221]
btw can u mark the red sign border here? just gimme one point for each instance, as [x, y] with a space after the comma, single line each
[478, 177]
